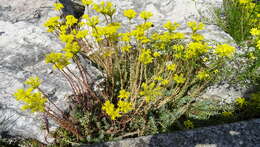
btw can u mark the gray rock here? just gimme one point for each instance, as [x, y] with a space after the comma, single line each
[22, 50]
[33, 11]
[245, 133]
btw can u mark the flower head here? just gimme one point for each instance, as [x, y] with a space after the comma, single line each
[130, 14]
[225, 50]
[34, 82]
[171, 26]
[146, 15]
[87, 2]
[179, 79]
[71, 20]
[58, 6]
[255, 31]
[124, 94]
[124, 107]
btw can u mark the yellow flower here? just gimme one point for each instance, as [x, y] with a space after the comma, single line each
[21, 94]
[109, 108]
[130, 14]
[125, 36]
[105, 8]
[179, 79]
[145, 56]
[197, 37]
[258, 44]
[58, 60]
[93, 21]
[225, 50]
[244, 1]
[85, 16]
[171, 26]
[124, 107]
[73, 48]
[150, 91]
[34, 82]
[171, 67]
[52, 23]
[227, 114]
[251, 56]
[195, 26]
[165, 82]
[66, 38]
[124, 94]
[82, 34]
[178, 47]
[255, 31]
[58, 6]
[241, 101]
[87, 2]
[156, 54]
[35, 102]
[146, 15]
[126, 48]
[71, 20]
[188, 124]
[178, 35]
[195, 49]
[202, 75]
[158, 78]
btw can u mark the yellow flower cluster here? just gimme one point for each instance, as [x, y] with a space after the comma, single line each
[52, 23]
[171, 26]
[195, 49]
[130, 14]
[196, 26]
[125, 36]
[255, 32]
[71, 20]
[202, 75]
[245, 1]
[93, 21]
[197, 37]
[34, 101]
[123, 107]
[146, 15]
[58, 6]
[227, 114]
[33, 82]
[109, 108]
[179, 79]
[150, 91]
[241, 101]
[124, 94]
[87, 2]
[225, 50]
[105, 8]
[71, 49]
[58, 60]
[146, 56]
[171, 67]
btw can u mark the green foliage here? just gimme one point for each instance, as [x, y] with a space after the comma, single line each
[239, 17]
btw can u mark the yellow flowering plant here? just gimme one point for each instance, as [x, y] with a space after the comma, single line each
[144, 70]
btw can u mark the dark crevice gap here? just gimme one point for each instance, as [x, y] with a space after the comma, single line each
[72, 8]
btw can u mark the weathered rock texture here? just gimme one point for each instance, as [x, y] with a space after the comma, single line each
[246, 133]
[23, 43]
